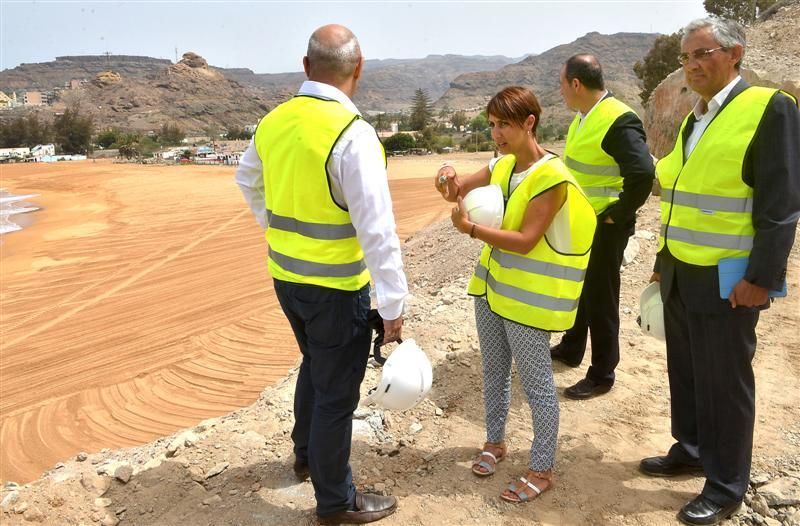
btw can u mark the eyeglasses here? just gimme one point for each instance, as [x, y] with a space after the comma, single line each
[697, 54]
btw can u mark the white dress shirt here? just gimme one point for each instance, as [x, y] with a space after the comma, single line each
[705, 114]
[582, 117]
[359, 183]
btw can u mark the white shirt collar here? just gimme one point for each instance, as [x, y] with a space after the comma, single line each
[716, 101]
[582, 116]
[326, 91]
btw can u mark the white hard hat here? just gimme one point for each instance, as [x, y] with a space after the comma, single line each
[651, 311]
[406, 379]
[485, 205]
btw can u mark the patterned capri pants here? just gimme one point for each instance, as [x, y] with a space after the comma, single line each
[500, 340]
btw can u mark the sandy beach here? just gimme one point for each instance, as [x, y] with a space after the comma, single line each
[136, 303]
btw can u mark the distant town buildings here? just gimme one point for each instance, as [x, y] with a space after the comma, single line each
[7, 102]
[41, 153]
[14, 153]
[37, 98]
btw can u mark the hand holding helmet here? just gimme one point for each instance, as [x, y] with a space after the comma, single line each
[405, 380]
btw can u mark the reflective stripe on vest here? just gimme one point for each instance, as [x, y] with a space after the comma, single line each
[309, 268]
[596, 172]
[708, 239]
[541, 288]
[532, 299]
[313, 230]
[706, 208]
[708, 203]
[311, 238]
[554, 270]
[591, 169]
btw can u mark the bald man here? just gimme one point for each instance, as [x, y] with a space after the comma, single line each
[315, 178]
[607, 155]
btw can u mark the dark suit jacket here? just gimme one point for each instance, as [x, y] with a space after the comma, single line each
[772, 168]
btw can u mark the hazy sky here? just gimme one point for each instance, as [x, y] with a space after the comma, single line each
[271, 37]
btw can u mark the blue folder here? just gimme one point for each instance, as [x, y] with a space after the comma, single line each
[731, 272]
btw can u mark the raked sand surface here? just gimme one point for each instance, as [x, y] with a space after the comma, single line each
[136, 303]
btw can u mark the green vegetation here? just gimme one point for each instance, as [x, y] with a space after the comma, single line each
[107, 138]
[170, 134]
[660, 61]
[459, 119]
[479, 123]
[73, 132]
[743, 11]
[234, 133]
[421, 110]
[399, 142]
[25, 132]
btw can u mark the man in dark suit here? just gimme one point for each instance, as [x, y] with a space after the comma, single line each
[607, 154]
[730, 189]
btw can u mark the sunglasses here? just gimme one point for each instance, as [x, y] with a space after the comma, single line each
[697, 54]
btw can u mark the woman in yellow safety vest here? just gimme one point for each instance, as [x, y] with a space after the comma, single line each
[528, 279]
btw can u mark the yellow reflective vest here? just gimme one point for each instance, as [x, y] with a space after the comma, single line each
[311, 238]
[706, 208]
[596, 171]
[541, 288]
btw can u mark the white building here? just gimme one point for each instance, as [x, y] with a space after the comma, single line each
[14, 153]
[42, 151]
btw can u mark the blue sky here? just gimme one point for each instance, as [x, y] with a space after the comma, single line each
[271, 37]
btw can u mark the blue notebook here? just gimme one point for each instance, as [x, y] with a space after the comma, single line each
[731, 271]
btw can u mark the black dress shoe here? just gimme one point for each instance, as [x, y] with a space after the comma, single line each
[301, 470]
[557, 353]
[585, 389]
[667, 467]
[701, 510]
[369, 508]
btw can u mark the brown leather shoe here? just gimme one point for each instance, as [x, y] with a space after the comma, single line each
[369, 508]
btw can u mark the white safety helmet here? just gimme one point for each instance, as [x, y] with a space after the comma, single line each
[485, 205]
[405, 381]
[651, 311]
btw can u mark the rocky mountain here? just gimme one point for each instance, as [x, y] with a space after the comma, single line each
[188, 93]
[47, 75]
[772, 59]
[147, 92]
[387, 85]
[143, 93]
[617, 53]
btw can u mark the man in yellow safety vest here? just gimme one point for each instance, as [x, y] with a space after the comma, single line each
[315, 178]
[607, 155]
[730, 193]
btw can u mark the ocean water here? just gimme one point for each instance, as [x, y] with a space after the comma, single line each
[11, 205]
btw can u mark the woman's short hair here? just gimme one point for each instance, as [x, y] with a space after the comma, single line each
[514, 104]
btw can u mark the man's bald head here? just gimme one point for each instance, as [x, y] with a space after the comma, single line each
[333, 53]
[586, 68]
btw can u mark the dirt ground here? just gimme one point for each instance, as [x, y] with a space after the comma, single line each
[124, 333]
[137, 303]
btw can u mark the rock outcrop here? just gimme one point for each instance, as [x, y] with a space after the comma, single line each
[772, 59]
[106, 78]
